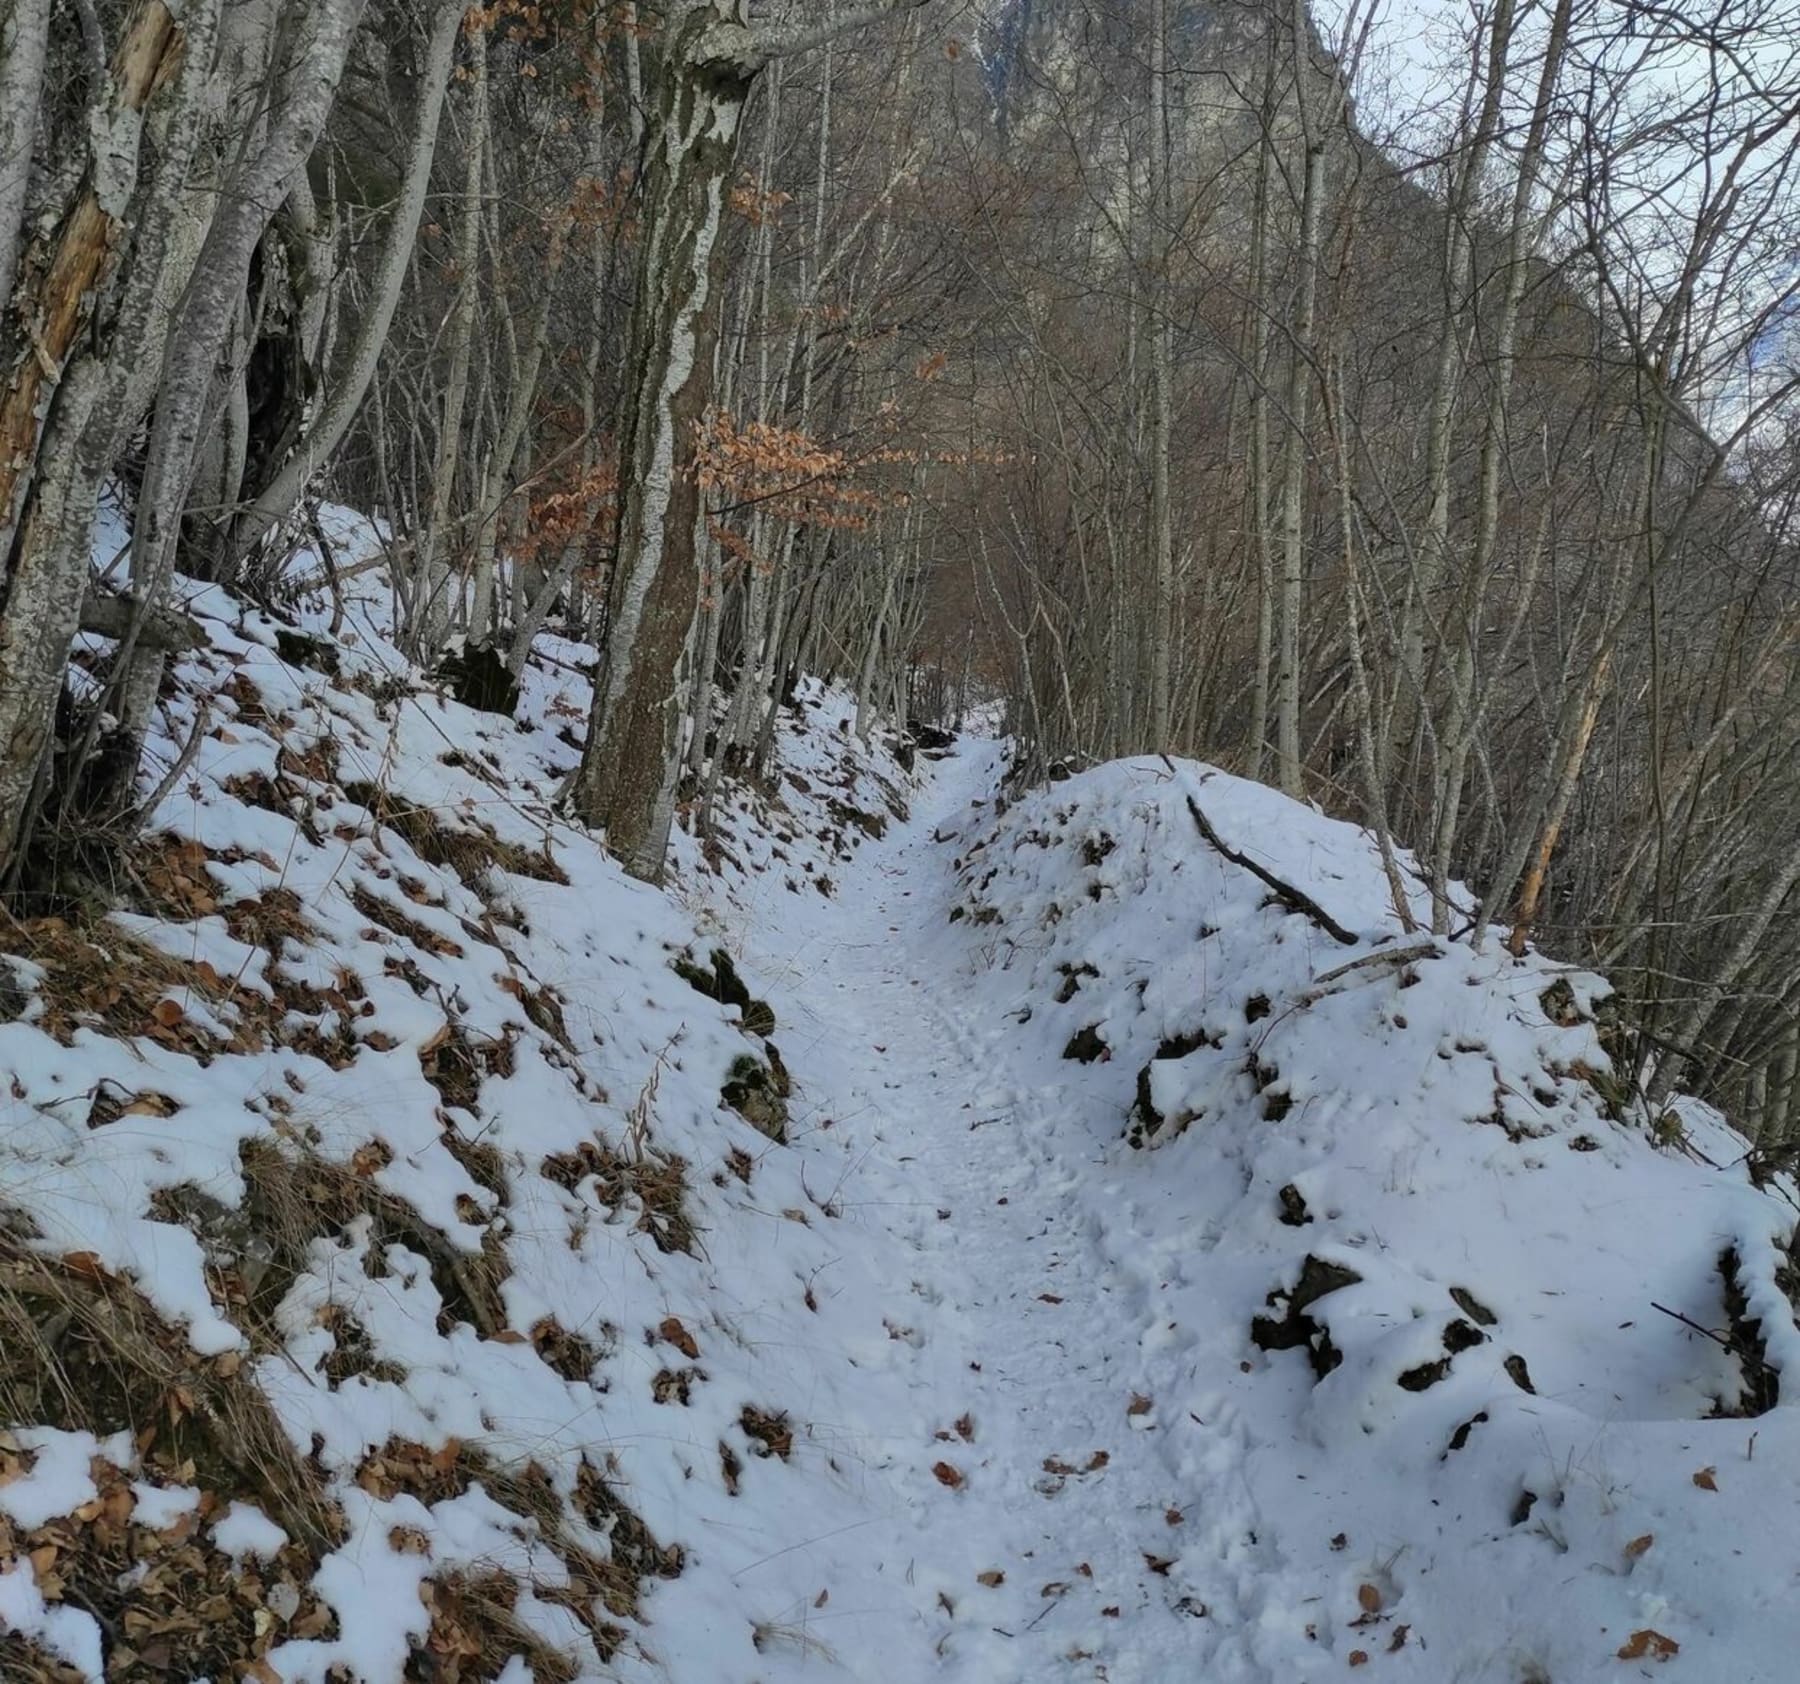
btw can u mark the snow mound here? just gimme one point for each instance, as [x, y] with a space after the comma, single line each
[1491, 1336]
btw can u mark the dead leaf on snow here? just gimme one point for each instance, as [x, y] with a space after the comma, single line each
[677, 1335]
[1650, 1644]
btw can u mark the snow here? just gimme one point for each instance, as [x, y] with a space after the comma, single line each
[245, 1531]
[955, 1382]
[58, 1479]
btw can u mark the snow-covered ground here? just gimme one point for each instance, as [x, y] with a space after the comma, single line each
[1485, 1456]
[1138, 1282]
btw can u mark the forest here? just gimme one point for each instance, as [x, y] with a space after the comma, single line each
[1159, 374]
[633, 451]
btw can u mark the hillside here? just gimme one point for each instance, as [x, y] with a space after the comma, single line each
[942, 1235]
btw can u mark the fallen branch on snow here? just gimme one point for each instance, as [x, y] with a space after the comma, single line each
[1295, 900]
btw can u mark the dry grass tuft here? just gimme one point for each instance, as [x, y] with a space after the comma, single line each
[295, 1196]
[470, 848]
[654, 1181]
[82, 1350]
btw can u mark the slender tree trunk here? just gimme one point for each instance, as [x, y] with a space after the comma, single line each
[430, 615]
[346, 392]
[1162, 536]
[1257, 744]
[1293, 482]
[306, 88]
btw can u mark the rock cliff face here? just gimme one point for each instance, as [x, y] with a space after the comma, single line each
[1044, 54]
[1074, 74]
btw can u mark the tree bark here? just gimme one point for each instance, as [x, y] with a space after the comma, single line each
[711, 57]
[24, 44]
[54, 311]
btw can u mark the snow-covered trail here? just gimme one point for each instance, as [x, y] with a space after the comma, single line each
[1102, 1476]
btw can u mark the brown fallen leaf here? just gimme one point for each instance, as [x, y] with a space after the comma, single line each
[1398, 1641]
[673, 1330]
[965, 1428]
[1648, 1643]
[992, 1578]
[1368, 1598]
[1159, 1563]
[1359, 1657]
[1637, 1546]
[1139, 1405]
[167, 1012]
[1172, 1516]
[1705, 1479]
[948, 1476]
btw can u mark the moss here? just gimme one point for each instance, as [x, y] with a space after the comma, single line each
[755, 1091]
[723, 983]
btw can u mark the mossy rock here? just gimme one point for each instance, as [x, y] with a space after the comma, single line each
[758, 1093]
[298, 649]
[479, 678]
[722, 983]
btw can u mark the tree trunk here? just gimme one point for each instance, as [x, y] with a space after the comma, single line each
[710, 59]
[82, 247]
[346, 393]
[429, 616]
[307, 87]
[627, 777]
[1162, 536]
[24, 43]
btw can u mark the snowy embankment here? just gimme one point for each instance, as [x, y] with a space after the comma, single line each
[411, 1206]
[1427, 1297]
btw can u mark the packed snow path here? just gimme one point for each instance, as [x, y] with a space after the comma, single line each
[1098, 1455]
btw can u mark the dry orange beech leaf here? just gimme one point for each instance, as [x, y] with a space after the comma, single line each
[167, 1012]
[947, 1475]
[87, 1264]
[678, 1336]
[1637, 1546]
[1368, 1598]
[1705, 1480]
[1359, 1657]
[1648, 1643]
